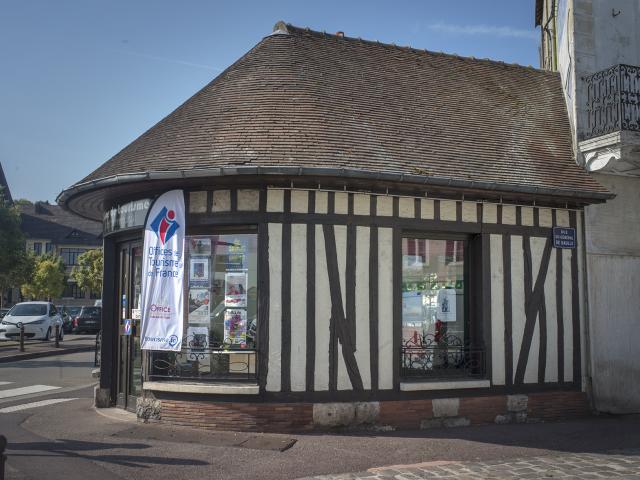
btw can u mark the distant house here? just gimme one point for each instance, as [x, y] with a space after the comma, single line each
[51, 230]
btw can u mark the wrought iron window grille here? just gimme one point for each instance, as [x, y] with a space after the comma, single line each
[440, 356]
[613, 101]
[204, 361]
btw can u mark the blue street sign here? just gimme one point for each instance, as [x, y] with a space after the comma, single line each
[564, 237]
[127, 326]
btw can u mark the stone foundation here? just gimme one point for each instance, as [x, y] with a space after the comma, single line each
[387, 415]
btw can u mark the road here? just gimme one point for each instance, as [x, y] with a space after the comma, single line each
[55, 433]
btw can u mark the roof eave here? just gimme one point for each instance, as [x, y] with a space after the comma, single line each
[80, 188]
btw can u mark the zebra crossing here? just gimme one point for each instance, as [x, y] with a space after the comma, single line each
[8, 392]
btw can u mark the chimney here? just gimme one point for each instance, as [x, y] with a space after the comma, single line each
[340, 34]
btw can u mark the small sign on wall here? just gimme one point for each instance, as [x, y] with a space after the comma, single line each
[564, 237]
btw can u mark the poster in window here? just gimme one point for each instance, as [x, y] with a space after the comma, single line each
[199, 272]
[199, 305]
[197, 340]
[446, 305]
[235, 327]
[200, 246]
[236, 257]
[235, 289]
[198, 348]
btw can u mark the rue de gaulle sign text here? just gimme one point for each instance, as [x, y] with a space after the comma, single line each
[564, 237]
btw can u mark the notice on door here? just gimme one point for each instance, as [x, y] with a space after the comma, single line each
[163, 273]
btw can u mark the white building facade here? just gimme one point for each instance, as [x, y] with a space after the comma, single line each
[595, 45]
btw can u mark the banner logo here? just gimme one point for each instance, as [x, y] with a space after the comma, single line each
[165, 225]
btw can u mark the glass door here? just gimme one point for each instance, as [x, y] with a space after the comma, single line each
[128, 310]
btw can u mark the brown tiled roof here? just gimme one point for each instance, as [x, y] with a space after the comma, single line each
[307, 99]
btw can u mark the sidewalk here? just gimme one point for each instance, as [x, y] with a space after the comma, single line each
[599, 447]
[10, 350]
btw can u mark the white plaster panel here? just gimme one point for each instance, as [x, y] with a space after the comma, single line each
[531, 372]
[489, 213]
[298, 307]
[469, 212]
[198, 202]
[341, 203]
[323, 314]
[384, 206]
[508, 214]
[426, 209]
[550, 286]
[562, 217]
[248, 200]
[406, 207]
[344, 383]
[300, 201]
[545, 217]
[363, 242]
[497, 311]
[386, 348]
[567, 292]
[275, 307]
[518, 317]
[527, 216]
[221, 201]
[275, 200]
[448, 210]
[361, 204]
[322, 202]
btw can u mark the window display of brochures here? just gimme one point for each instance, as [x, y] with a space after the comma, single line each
[199, 297]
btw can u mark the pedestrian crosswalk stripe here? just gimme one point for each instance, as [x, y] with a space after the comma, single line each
[5, 383]
[14, 392]
[41, 403]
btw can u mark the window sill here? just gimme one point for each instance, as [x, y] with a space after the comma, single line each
[443, 385]
[203, 388]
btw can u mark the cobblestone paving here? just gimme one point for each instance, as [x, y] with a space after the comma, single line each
[617, 464]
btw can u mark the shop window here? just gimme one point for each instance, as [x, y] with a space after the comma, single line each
[221, 305]
[436, 340]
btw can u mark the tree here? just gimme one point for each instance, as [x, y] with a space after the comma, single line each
[15, 264]
[47, 280]
[88, 273]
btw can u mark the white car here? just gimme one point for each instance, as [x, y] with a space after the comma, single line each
[39, 320]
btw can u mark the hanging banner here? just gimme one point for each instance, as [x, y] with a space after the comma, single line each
[163, 273]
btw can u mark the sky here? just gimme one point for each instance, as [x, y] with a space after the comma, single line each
[81, 79]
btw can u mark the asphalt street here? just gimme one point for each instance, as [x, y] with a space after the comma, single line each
[68, 439]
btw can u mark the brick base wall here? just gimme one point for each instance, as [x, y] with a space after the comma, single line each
[398, 414]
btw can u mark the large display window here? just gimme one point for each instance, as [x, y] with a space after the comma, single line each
[435, 330]
[221, 310]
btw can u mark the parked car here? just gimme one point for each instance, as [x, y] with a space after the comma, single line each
[68, 314]
[88, 320]
[39, 320]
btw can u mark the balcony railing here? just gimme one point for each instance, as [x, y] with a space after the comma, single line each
[447, 356]
[613, 101]
[202, 361]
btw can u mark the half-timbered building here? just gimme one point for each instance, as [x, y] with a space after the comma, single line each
[370, 241]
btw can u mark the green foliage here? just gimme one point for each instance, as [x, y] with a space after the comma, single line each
[15, 263]
[48, 279]
[22, 202]
[88, 272]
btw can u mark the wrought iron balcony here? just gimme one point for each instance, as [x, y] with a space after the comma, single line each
[427, 356]
[613, 101]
